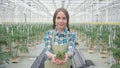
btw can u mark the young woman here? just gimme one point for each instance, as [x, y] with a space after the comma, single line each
[60, 39]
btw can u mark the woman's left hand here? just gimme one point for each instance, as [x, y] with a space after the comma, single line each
[64, 60]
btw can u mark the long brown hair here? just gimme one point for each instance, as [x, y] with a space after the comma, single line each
[65, 12]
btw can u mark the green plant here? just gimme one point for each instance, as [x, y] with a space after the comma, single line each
[24, 49]
[115, 66]
[116, 48]
[60, 55]
[4, 58]
[103, 47]
[104, 33]
[3, 42]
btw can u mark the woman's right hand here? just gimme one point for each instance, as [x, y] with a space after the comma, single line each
[53, 58]
[55, 61]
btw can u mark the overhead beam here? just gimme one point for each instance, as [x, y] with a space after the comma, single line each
[81, 4]
[26, 6]
[62, 3]
[54, 4]
[68, 4]
[78, 9]
[47, 11]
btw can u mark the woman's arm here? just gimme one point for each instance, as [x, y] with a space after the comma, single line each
[47, 41]
[48, 51]
[71, 50]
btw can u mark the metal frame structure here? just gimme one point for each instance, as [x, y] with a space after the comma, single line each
[42, 10]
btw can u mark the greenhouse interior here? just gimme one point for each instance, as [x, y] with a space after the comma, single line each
[95, 23]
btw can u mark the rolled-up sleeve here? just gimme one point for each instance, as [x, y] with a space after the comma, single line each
[72, 43]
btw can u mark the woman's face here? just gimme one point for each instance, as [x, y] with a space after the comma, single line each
[61, 20]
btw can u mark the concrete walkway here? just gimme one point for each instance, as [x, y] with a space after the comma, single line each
[27, 61]
[94, 57]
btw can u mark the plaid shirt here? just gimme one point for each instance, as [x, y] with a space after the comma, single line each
[60, 39]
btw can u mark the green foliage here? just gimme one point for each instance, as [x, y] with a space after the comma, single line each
[104, 33]
[115, 52]
[115, 66]
[18, 33]
[77, 27]
[117, 37]
[91, 32]
[60, 55]
[116, 48]
[24, 48]
[4, 57]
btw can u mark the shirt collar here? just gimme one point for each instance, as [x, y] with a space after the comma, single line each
[62, 33]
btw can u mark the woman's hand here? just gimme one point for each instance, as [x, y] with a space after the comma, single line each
[59, 61]
[53, 58]
[62, 61]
